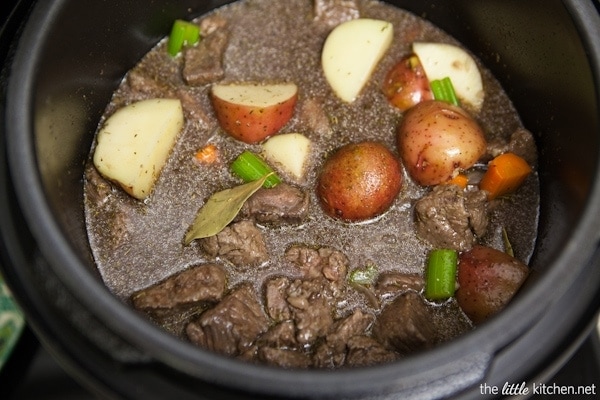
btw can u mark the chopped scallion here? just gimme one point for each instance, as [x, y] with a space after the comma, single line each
[440, 281]
[183, 33]
[251, 167]
[443, 90]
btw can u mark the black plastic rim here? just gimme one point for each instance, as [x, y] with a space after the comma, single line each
[575, 265]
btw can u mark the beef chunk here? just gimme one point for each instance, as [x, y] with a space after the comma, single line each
[232, 326]
[202, 283]
[275, 298]
[390, 284]
[284, 358]
[355, 324]
[307, 259]
[521, 143]
[280, 335]
[312, 113]
[332, 352]
[241, 243]
[476, 205]
[116, 217]
[325, 261]
[195, 110]
[312, 308]
[449, 217]
[281, 204]
[279, 347]
[405, 325]
[334, 12]
[203, 64]
[364, 351]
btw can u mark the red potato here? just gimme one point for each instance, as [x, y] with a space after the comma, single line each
[437, 140]
[488, 279]
[359, 181]
[406, 84]
[251, 112]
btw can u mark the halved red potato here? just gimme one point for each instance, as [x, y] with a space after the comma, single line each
[437, 140]
[250, 111]
[488, 279]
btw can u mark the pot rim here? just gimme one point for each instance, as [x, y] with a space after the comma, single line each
[572, 264]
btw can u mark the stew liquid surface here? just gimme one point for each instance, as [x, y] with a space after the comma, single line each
[137, 244]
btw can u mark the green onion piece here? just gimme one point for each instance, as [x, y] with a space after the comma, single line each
[440, 282]
[182, 33]
[443, 90]
[251, 167]
[364, 276]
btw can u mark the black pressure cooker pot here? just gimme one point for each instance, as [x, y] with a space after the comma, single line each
[62, 69]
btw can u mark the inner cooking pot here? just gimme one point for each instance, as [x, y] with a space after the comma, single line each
[70, 57]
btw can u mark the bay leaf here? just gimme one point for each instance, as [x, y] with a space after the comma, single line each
[220, 209]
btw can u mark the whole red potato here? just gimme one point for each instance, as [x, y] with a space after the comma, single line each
[359, 181]
[436, 140]
[487, 280]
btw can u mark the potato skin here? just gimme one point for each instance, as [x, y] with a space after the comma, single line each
[252, 124]
[488, 279]
[359, 181]
[406, 84]
[436, 139]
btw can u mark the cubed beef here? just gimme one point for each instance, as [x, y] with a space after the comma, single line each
[284, 358]
[203, 63]
[355, 324]
[325, 261]
[232, 326]
[331, 353]
[312, 306]
[450, 217]
[275, 298]
[195, 109]
[521, 143]
[198, 284]
[241, 243]
[312, 113]
[280, 335]
[405, 325]
[391, 283]
[282, 204]
[364, 351]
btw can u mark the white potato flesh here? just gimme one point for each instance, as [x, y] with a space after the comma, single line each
[441, 60]
[255, 95]
[290, 151]
[134, 144]
[351, 53]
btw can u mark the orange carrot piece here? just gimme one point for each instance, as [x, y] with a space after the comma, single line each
[460, 180]
[505, 174]
[208, 154]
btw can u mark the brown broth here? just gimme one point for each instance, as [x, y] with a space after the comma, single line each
[138, 244]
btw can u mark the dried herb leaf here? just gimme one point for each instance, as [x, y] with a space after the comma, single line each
[220, 209]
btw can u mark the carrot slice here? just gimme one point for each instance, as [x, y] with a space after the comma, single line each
[505, 174]
[208, 154]
[460, 180]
